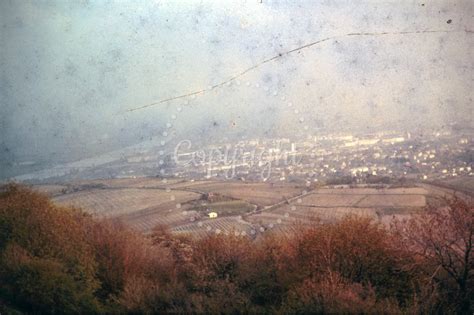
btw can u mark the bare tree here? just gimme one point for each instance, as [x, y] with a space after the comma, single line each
[442, 238]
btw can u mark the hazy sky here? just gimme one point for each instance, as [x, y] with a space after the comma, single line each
[71, 69]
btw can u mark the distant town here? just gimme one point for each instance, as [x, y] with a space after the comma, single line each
[338, 159]
[342, 159]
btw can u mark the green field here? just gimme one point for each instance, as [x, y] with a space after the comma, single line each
[227, 208]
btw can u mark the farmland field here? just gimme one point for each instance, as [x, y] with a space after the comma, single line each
[243, 208]
[262, 194]
[227, 225]
[225, 208]
[328, 205]
[51, 190]
[115, 202]
[460, 184]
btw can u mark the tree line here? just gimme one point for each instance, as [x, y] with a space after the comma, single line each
[60, 260]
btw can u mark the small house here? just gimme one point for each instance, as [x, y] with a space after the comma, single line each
[212, 215]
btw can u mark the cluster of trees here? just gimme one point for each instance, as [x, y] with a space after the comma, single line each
[60, 260]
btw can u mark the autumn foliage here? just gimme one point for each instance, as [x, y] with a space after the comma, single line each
[60, 260]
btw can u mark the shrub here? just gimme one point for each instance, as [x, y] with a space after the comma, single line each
[59, 260]
[45, 255]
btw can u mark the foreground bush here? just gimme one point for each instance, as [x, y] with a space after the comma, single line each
[58, 260]
[46, 263]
